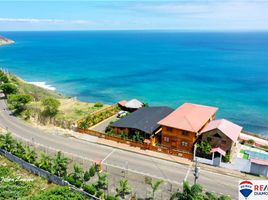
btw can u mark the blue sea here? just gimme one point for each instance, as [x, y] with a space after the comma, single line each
[227, 70]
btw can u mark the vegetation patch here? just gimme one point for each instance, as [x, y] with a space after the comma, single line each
[38, 105]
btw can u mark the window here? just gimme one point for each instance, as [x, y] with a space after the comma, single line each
[209, 139]
[169, 129]
[184, 144]
[217, 135]
[185, 133]
[166, 139]
[224, 142]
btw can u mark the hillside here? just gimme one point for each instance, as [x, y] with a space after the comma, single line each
[17, 183]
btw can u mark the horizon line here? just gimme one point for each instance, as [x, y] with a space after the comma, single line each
[162, 30]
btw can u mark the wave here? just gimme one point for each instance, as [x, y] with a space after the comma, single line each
[43, 84]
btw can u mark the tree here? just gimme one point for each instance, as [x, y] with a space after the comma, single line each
[60, 164]
[9, 88]
[189, 192]
[51, 106]
[18, 102]
[86, 176]
[123, 188]
[155, 186]
[78, 172]
[102, 181]
[92, 170]
[195, 192]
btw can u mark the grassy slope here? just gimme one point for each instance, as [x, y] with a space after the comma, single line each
[34, 188]
[70, 109]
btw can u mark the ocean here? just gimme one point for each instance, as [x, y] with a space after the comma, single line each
[222, 69]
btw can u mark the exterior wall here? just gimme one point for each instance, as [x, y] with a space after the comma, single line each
[120, 130]
[224, 142]
[179, 139]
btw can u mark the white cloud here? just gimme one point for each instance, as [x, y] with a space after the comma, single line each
[50, 21]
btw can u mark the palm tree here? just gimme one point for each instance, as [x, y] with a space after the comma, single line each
[78, 172]
[123, 188]
[155, 186]
[7, 142]
[45, 162]
[102, 182]
[189, 192]
[18, 149]
[60, 164]
[30, 155]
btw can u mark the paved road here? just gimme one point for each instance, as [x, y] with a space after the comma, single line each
[135, 162]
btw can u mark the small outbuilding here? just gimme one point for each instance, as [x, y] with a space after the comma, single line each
[131, 105]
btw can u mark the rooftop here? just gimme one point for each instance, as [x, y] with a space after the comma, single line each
[190, 117]
[145, 119]
[134, 103]
[230, 129]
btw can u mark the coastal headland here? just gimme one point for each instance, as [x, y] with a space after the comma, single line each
[5, 41]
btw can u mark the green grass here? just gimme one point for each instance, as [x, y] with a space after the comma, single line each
[17, 183]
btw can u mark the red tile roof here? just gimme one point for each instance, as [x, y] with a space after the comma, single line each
[190, 117]
[259, 161]
[228, 128]
[122, 103]
[219, 150]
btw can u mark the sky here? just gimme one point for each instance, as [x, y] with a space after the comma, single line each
[199, 15]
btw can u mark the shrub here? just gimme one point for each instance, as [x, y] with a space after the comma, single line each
[7, 142]
[45, 162]
[205, 147]
[98, 105]
[110, 197]
[18, 150]
[9, 88]
[227, 157]
[100, 194]
[18, 102]
[3, 77]
[59, 193]
[73, 181]
[251, 142]
[30, 155]
[90, 189]
[51, 106]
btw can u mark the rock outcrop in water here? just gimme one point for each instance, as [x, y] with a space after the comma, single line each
[5, 41]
